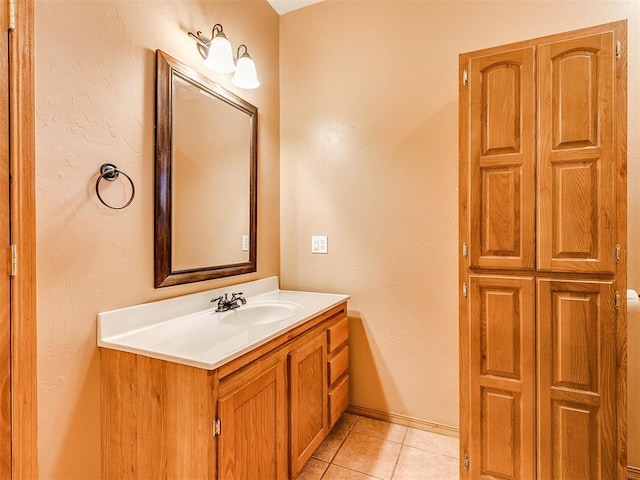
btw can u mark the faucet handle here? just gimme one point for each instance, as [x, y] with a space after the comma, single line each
[237, 297]
[217, 299]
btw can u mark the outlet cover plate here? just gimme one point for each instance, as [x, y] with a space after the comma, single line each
[319, 244]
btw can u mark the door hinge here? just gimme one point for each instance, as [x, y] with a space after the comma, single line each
[618, 249]
[465, 77]
[465, 249]
[618, 50]
[217, 426]
[12, 14]
[466, 462]
[14, 260]
[465, 289]
[617, 301]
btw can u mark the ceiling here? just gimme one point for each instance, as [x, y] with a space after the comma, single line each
[284, 6]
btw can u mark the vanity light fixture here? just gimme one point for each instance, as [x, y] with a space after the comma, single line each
[218, 57]
[246, 75]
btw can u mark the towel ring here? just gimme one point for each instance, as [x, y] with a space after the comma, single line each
[110, 172]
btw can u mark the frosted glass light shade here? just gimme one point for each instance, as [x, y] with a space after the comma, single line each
[220, 57]
[246, 75]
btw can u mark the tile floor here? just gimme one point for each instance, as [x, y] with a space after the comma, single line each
[360, 448]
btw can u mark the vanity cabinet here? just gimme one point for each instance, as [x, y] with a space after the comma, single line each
[261, 415]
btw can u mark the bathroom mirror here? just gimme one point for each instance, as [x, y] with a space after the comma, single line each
[206, 178]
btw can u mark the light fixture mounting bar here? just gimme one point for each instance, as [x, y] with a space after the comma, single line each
[202, 44]
[199, 39]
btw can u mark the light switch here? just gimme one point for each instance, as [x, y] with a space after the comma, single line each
[245, 243]
[319, 244]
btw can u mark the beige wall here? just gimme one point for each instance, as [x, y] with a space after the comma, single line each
[369, 152]
[369, 157]
[95, 95]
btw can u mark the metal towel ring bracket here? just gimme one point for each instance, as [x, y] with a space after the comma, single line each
[110, 172]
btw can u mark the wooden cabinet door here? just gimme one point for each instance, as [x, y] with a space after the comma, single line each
[576, 166]
[253, 440]
[502, 160]
[577, 375]
[308, 400]
[502, 387]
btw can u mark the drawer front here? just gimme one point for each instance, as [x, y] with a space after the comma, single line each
[338, 334]
[338, 364]
[338, 400]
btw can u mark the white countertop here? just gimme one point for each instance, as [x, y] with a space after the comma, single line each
[187, 329]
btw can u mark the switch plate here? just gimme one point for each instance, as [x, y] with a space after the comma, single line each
[319, 244]
[245, 243]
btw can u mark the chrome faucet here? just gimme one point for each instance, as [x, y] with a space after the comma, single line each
[225, 303]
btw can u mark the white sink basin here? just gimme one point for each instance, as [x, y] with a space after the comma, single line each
[259, 313]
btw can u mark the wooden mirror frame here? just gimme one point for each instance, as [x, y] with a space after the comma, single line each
[166, 68]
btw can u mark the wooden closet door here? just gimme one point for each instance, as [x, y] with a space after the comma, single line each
[502, 160]
[576, 166]
[502, 370]
[562, 166]
[577, 364]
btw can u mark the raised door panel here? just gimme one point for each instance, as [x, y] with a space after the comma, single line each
[308, 407]
[252, 443]
[502, 377]
[577, 380]
[502, 159]
[576, 167]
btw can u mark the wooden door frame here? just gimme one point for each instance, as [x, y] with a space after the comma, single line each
[24, 418]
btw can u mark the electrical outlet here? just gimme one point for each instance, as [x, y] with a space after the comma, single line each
[319, 244]
[245, 243]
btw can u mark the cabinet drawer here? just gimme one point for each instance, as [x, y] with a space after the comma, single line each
[338, 400]
[338, 364]
[338, 333]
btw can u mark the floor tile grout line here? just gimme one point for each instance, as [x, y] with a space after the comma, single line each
[361, 472]
[401, 442]
[351, 429]
[395, 465]
[377, 437]
[342, 442]
[325, 471]
[353, 425]
[353, 470]
[404, 437]
[345, 438]
[434, 451]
